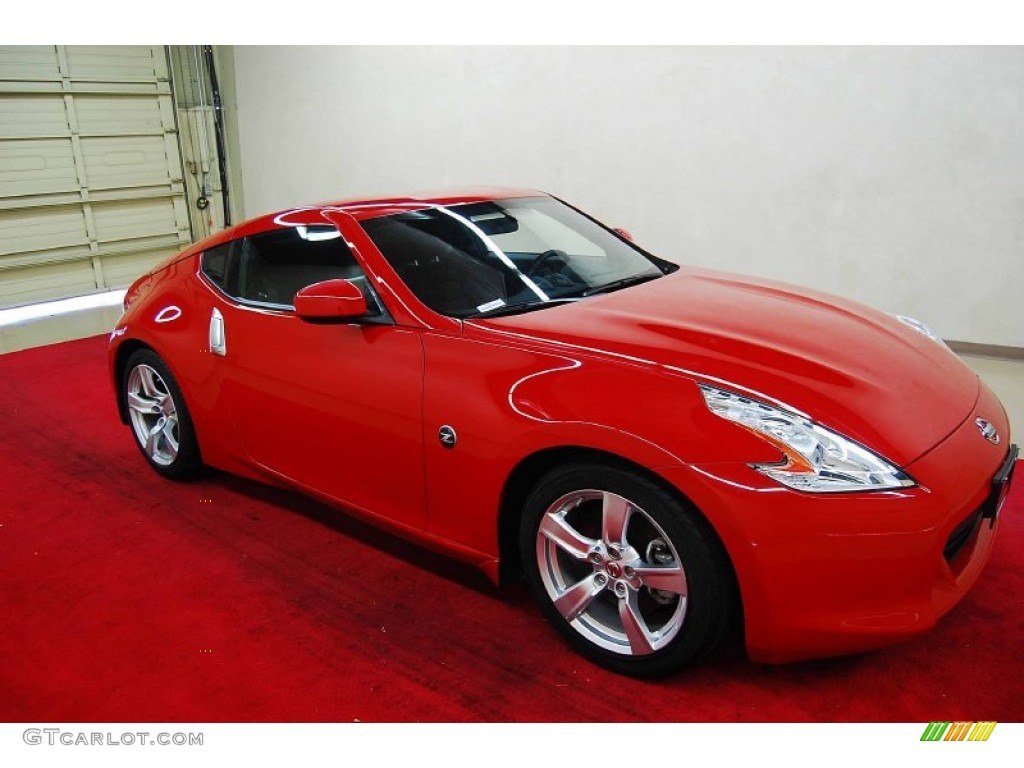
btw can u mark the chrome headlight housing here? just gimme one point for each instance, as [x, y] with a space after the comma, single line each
[921, 328]
[815, 459]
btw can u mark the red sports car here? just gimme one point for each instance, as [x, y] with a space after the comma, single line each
[666, 452]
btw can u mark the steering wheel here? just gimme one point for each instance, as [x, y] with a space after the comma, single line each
[541, 258]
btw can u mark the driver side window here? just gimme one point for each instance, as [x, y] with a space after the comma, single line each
[274, 266]
[271, 267]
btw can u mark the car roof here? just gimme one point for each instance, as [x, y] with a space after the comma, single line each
[360, 208]
[372, 207]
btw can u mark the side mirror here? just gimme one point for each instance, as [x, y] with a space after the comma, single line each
[623, 233]
[330, 299]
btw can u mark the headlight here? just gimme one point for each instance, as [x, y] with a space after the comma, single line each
[815, 459]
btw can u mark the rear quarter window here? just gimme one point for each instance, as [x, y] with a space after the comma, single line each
[215, 265]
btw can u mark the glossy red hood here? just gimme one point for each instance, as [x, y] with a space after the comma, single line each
[854, 369]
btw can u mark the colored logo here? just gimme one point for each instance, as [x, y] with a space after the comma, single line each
[958, 731]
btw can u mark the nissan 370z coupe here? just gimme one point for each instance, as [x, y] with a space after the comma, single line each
[666, 452]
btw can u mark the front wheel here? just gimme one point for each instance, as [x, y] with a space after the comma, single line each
[158, 416]
[633, 578]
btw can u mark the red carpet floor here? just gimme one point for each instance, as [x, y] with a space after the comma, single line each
[124, 597]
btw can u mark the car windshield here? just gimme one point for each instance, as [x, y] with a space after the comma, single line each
[506, 256]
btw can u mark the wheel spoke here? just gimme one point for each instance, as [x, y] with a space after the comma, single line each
[149, 387]
[641, 642]
[667, 578]
[565, 537]
[153, 438]
[143, 405]
[169, 439]
[164, 403]
[576, 598]
[615, 512]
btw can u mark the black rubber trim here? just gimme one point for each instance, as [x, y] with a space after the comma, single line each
[1000, 486]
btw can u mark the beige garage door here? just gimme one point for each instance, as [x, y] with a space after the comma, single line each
[91, 191]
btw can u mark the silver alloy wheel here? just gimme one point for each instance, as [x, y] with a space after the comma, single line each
[153, 414]
[612, 572]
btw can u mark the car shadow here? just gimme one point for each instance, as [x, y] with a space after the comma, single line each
[347, 524]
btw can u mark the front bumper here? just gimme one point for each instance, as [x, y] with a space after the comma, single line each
[826, 575]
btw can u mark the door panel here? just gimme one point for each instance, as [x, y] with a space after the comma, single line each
[333, 407]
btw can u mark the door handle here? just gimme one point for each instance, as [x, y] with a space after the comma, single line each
[218, 340]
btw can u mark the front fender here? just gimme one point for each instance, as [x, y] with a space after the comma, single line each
[508, 402]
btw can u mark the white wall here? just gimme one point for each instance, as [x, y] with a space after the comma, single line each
[891, 175]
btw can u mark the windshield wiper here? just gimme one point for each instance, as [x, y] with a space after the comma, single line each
[515, 309]
[614, 285]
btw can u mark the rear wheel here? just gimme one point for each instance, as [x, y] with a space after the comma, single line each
[633, 578]
[158, 416]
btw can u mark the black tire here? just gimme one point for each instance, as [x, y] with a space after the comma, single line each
[668, 544]
[155, 406]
